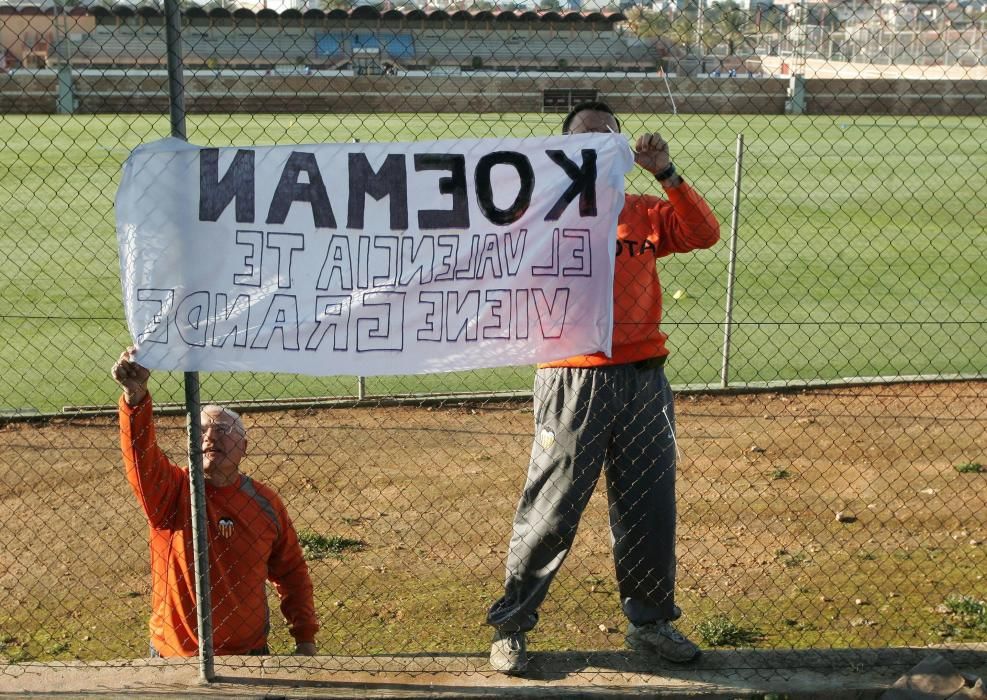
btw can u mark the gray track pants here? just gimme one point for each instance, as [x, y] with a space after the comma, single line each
[620, 418]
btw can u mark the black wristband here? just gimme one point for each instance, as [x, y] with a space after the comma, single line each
[666, 173]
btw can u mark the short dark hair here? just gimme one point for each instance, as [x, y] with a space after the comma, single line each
[594, 106]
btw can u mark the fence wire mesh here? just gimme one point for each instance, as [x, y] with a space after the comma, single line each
[830, 483]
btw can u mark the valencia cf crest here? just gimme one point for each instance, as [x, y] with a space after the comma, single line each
[226, 527]
[546, 438]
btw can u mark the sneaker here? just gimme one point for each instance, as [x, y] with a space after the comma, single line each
[663, 639]
[509, 652]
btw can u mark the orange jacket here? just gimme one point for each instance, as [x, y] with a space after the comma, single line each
[251, 539]
[648, 228]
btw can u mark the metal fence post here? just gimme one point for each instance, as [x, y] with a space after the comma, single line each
[65, 95]
[176, 80]
[200, 544]
[732, 265]
[197, 484]
[361, 381]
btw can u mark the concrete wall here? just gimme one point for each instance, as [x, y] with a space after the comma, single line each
[27, 92]
[897, 97]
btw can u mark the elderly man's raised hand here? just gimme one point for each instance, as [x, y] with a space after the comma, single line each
[131, 377]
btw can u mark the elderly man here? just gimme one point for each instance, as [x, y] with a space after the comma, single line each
[251, 538]
[614, 412]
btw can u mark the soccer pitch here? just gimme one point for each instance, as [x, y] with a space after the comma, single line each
[861, 249]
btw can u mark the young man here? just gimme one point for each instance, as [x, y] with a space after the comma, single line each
[595, 411]
[250, 536]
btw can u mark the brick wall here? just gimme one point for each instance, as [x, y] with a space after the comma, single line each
[27, 93]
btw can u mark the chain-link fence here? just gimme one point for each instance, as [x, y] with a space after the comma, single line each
[830, 479]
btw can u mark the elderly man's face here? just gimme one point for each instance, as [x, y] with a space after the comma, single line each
[590, 121]
[224, 443]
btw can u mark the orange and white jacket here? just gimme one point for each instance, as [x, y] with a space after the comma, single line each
[251, 540]
[648, 228]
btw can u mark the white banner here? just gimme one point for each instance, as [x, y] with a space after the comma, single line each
[370, 259]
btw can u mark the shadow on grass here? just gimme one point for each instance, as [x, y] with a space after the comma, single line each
[833, 673]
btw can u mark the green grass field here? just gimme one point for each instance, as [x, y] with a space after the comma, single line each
[861, 249]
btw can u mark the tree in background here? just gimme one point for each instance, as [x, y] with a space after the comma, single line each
[221, 5]
[768, 22]
[670, 33]
[728, 24]
[683, 29]
[646, 24]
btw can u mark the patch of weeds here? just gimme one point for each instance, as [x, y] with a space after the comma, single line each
[721, 631]
[798, 625]
[970, 468]
[780, 474]
[791, 559]
[12, 651]
[18, 654]
[945, 630]
[797, 559]
[316, 546]
[967, 611]
[867, 556]
[58, 648]
[965, 605]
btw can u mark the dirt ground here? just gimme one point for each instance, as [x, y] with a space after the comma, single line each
[430, 492]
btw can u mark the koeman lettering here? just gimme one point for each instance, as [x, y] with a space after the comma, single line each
[301, 181]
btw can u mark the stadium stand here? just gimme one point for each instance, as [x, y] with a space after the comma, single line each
[365, 37]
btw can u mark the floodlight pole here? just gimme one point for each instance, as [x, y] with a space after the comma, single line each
[732, 264]
[197, 482]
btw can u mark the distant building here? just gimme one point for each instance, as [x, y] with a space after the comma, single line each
[753, 5]
[47, 5]
[30, 34]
